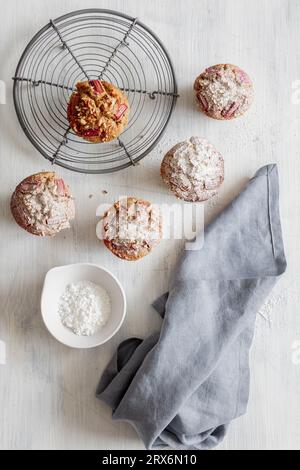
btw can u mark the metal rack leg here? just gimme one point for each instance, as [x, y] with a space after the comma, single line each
[126, 152]
[63, 142]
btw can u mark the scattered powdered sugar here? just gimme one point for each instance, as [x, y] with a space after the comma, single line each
[84, 307]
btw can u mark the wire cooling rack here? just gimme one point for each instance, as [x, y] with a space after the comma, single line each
[91, 44]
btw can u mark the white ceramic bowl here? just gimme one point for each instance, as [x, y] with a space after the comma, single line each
[55, 283]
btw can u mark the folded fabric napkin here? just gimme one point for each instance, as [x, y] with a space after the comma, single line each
[181, 387]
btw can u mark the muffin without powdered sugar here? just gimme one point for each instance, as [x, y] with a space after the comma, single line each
[223, 91]
[98, 111]
[193, 170]
[42, 204]
[132, 228]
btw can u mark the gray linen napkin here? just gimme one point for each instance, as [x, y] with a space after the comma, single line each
[181, 387]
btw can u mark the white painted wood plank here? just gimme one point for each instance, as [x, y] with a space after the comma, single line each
[46, 390]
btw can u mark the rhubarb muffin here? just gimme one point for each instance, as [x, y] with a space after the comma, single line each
[193, 170]
[42, 204]
[132, 228]
[224, 91]
[98, 111]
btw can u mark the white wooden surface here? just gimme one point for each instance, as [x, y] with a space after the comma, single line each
[46, 390]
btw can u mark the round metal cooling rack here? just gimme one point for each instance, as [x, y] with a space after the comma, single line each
[91, 44]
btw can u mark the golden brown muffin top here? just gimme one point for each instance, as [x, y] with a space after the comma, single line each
[98, 109]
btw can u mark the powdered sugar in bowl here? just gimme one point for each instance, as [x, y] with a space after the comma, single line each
[94, 295]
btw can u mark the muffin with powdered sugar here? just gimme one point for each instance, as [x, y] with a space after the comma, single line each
[42, 204]
[224, 91]
[132, 228]
[193, 170]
